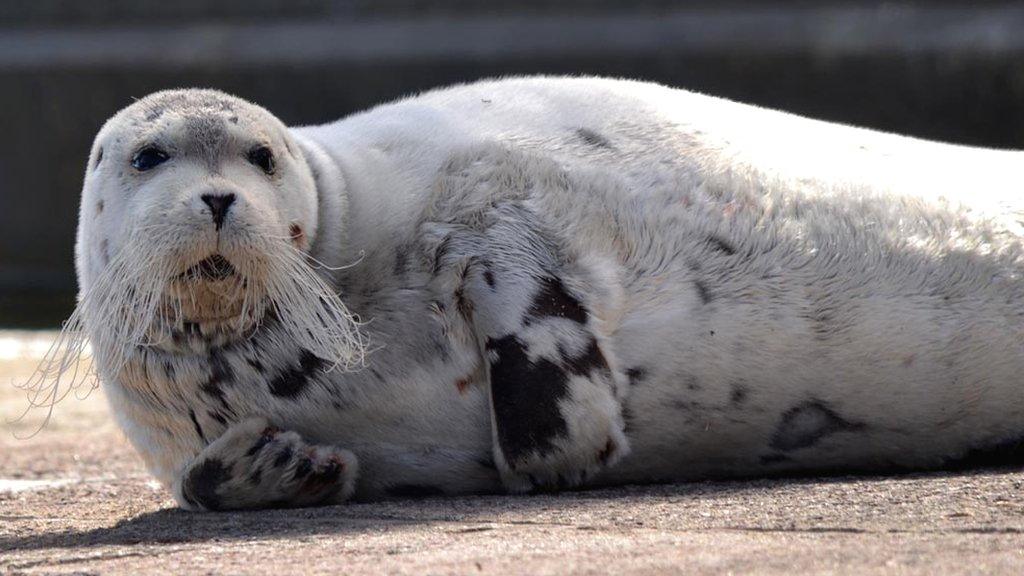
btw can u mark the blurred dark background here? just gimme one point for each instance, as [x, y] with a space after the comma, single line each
[947, 70]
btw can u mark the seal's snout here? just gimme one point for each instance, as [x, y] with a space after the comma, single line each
[219, 205]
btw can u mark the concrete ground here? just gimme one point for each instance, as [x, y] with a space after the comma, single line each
[75, 499]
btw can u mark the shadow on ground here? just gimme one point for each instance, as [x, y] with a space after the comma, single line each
[176, 526]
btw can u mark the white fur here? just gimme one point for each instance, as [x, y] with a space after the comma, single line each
[790, 295]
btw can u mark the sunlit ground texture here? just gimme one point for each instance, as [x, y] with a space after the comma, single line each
[75, 499]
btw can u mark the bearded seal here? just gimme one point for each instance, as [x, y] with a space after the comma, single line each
[540, 283]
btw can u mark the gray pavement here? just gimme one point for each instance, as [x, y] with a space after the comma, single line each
[75, 499]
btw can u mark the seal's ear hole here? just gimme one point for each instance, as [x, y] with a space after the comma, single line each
[148, 158]
[298, 236]
[99, 158]
[262, 157]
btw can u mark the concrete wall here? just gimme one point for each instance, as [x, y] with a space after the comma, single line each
[945, 70]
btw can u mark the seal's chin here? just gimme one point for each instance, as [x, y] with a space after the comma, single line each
[210, 301]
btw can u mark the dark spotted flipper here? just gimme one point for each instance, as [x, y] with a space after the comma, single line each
[254, 465]
[554, 393]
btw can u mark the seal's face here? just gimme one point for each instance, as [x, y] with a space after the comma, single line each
[207, 188]
[196, 215]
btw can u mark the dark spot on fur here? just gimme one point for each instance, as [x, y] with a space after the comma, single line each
[807, 423]
[234, 120]
[692, 383]
[589, 360]
[463, 304]
[440, 253]
[202, 482]
[218, 417]
[221, 375]
[401, 261]
[525, 397]
[305, 468]
[703, 292]
[487, 462]
[554, 301]
[291, 382]
[721, 245]
[168, 369]
[195, 424]
[738, 394]
[99, 158]
[256, 364]
[99, 207]
[263, 440]
[1009, 452]
[636, 375]
[593, 138]
[686, 405]
[284, 457]
[188, 499]
[413, 491]
[154, 113]
[256, 477]
[627, 419]
[489, 277]
[462, 384]
[606, 452]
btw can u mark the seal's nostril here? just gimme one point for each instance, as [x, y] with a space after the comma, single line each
[219, 205]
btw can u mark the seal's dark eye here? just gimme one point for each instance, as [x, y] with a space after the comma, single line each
[148, 158]
[262, 156]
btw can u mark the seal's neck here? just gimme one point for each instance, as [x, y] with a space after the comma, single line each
[330, 239]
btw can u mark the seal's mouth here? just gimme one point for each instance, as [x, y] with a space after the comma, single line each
[214, 268]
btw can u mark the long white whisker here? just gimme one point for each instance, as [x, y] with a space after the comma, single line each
[139, 297]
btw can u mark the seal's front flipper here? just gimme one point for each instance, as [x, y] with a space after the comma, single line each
[554, 389]
[556, 419]
[254, 465]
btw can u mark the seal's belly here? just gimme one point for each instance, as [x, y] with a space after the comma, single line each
[416, 415]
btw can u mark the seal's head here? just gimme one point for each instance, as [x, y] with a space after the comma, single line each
[198, 212]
